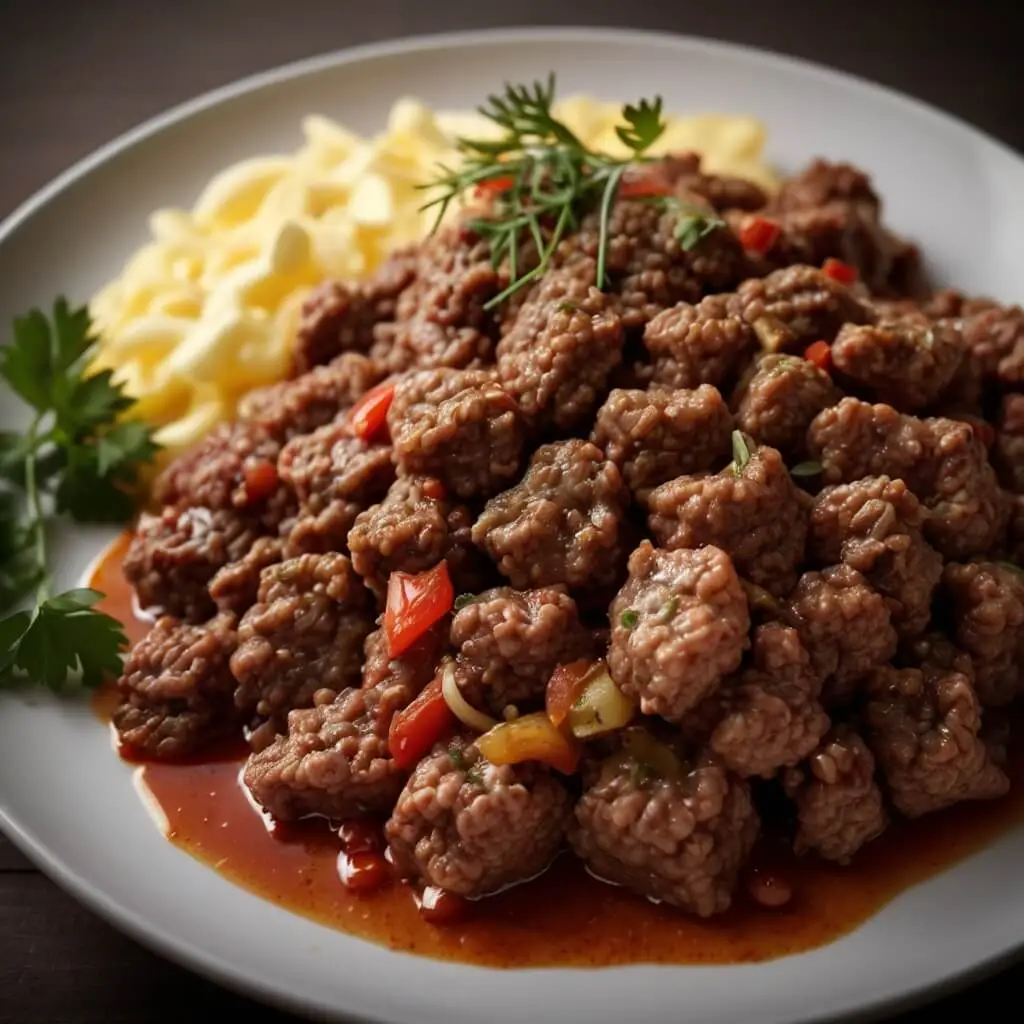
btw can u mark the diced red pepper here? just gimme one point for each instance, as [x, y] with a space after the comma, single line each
[820, 353]
[363, 872]
[260, 477]
[839, 271]
[414, 604]
[440, 907]
[433, 488]
[360, 837]
[644, 185]
[416, 728]
[564, 687]
[494, 186]
[759, 234]
[368, 417]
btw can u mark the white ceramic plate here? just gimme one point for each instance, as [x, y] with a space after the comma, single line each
[69, 803]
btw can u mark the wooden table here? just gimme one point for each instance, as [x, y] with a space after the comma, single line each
[73, 74]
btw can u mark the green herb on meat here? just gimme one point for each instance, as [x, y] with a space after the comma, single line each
[810, 468]
[567, 306]
[457, 758]
[640, 773]
[693, 225]
[741, 451]
[669, 608]
[463, 600]
[629, 618]
[542, 179]
[77, 458]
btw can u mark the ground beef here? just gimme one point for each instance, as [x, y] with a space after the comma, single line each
[412, 529]
[838, 803]
[657, 435]
[334, 760]
[941, 460]
[1008, 453]
[831, 210]
[335, 477]
[174, 555]
[441, 320]
[677, 840]
[472, 828]
[923, 728]
[994, 335]
[987, 606]
[558, 356]
[904, 363]
[1012, 546]
[690, 345]
[221, 473]
[935, 652]
[236, 585]
[767, 716]
[874, 526]
[460, 426]
[845, 626]
[305, 633]
[777, 402]
[796, 306]
[754, 513]
[678, 626]
[647, 266]
[562, 523]
[510, 641]
[176, 688]
[310, 400]
[339, 317]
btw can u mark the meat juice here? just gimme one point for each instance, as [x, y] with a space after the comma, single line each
[563, 918]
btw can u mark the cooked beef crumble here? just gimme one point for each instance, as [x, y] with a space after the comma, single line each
[764, 510]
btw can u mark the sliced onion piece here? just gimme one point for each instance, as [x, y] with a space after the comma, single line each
[601, 708]
[459, 706]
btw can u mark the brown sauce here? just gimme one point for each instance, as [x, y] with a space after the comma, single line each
[565, 917]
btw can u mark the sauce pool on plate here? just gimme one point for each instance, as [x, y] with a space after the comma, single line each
[565, 917]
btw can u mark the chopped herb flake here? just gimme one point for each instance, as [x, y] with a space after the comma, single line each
[669, 608]
[463, 600]
[740, 451]
[629, 618]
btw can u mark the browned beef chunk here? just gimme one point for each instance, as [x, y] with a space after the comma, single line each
[564, 522]
[304, 634]
[678, 626]
[176, 688]
[472, 828]
[681, 840]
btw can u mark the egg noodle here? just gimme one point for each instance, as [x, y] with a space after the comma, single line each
[209, 307]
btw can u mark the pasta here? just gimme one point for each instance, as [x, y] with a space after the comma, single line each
[208, 307]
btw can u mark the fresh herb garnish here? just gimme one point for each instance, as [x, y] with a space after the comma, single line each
[810, 468]
[629, 618]
[463, 600]
[669, 608]
[77, 458]
[543, 179]
[456, 757]
[741, 451]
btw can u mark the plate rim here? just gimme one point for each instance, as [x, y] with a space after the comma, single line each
[155, 937]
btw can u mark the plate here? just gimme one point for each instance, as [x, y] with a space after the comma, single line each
[70, 804]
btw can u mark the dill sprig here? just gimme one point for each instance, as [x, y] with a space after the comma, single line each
[542, 179]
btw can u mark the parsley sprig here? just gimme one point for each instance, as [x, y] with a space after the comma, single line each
[543, 179]
[78, 458]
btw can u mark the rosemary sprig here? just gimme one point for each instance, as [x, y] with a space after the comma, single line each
[542, 179]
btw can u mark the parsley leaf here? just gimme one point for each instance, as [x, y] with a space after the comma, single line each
[78, 458]
[741, 451]
[644, 125]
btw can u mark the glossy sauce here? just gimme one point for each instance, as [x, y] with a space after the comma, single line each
[565, 917]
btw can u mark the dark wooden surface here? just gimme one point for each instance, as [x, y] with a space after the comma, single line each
[74, 74]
